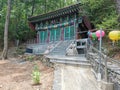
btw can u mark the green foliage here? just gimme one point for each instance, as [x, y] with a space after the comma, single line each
[20, 11]
[30, 58]
[36, 75]
[44, 6]
[109, 22]
[20, 50]
[101, 12]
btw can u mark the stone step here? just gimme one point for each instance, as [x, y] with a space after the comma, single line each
[72, 62]
[58, 49]
[52, 54]
[61, 48]
[55, 51]
[82, 59]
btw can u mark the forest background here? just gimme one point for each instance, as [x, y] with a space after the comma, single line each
[102, 13]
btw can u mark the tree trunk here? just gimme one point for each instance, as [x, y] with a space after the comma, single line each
[33, 6]
[45, 6]
[118, 6]
[5, 50]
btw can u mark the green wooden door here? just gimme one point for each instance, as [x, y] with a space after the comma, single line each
[66, 33]
[55, 34]
[43, 36]
[58, 34]
[72, 32]
[52, 35]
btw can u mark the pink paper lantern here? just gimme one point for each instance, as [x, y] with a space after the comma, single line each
[98, 33]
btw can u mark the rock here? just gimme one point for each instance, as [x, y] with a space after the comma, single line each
[71, 50]
[46, 52]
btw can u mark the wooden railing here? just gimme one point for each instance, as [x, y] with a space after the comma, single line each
[109, 68]
[32, 41]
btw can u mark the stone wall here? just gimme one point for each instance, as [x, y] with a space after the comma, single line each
[46, 61]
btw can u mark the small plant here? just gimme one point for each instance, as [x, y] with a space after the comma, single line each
[20, 50]
[36, 75]
[30, 58]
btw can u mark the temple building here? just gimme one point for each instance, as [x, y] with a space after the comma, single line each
[63, 24]
[60, 25]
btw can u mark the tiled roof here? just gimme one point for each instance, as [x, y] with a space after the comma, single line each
[56, 13]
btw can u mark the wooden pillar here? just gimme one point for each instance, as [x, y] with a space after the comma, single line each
[75, 26]
[69, 33]
[62, 33]
[48, 35]
[37, 39]
[68, 19]
[43, 36]
[55, 34]
[62, 30]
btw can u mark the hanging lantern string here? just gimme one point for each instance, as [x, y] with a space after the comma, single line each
[93, 30]
[103, 29]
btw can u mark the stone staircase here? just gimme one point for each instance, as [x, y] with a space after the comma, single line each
[81, 60]
[58, 54]
[61, 48]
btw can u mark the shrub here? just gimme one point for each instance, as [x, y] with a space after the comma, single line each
[36, 75]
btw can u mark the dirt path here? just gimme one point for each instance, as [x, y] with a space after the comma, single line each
[17, 76]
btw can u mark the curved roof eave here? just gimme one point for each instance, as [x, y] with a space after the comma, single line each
[56, 13]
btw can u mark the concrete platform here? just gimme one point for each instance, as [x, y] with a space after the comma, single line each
[63, 57]
[75, 78]
[71, 60]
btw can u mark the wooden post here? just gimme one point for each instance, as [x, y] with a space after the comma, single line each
[48, 35]
[69, 33]
[75, 30]
[105, 84]
[37, 37]
[62, 34]
[105, 61]
[62, 31]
